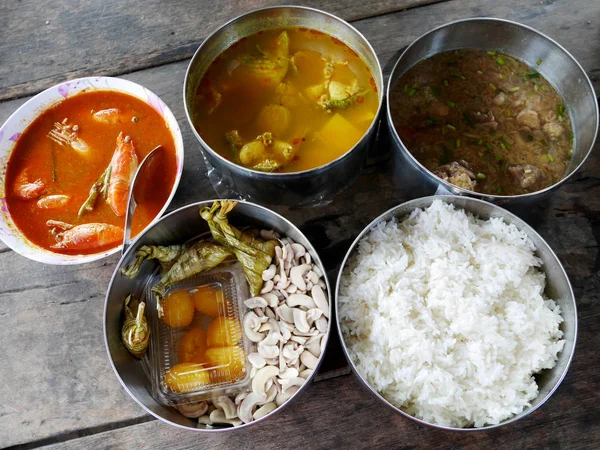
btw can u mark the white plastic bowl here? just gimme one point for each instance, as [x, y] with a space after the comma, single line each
[18, 122]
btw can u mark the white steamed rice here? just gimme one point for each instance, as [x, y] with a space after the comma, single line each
[444, 314]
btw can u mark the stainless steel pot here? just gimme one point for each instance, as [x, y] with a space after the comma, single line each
[176, 227]
[558, 287]
[308, 187]
[525, 44]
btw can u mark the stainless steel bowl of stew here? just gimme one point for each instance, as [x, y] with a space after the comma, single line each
[490, 108]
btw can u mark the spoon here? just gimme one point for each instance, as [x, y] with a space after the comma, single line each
[131, 203]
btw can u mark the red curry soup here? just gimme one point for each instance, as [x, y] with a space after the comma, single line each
[285, 100]
[68, 177]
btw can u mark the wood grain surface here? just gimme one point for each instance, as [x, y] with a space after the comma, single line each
[44, 42]
[57, 385]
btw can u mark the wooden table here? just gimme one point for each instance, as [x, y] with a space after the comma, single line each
[56, 385]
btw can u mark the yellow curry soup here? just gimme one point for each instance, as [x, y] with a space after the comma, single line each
[285, 100]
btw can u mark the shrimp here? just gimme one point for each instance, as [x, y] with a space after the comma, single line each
[53, 201]
[26, 190]
[123, 165]
[67, 135]
[110, 116]
[84, 237]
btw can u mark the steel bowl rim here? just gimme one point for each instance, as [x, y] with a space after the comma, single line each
[522, 226]
[180, 155]
[282, 176]
[453, 188]
[132, 248]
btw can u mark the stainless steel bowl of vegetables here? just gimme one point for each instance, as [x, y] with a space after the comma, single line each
[229, 328]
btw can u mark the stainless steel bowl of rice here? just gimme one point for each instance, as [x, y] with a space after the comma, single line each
[456, 313]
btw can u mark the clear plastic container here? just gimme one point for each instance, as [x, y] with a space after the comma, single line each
[224, 368]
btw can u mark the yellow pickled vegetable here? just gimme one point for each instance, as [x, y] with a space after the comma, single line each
[228, 363]
[208, 300]
[187, 377]
[178, 309]
[193, 346]
[223, 331]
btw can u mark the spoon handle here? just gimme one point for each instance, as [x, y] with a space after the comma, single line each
[131, 203]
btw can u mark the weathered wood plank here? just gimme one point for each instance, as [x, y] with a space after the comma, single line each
[42, 357]
[339, 413]
[573, 24]
[44, 43]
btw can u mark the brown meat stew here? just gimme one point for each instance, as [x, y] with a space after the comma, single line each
[483, 121]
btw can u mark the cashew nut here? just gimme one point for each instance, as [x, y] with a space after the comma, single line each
[321, 324]
[271, 299]
[251, 324]
[278, 254]
[312, 277]
[314, 347]
[268, 351]
[299, 251]
[306, 259]
[269, 313]
[313, 314]
[302, 300]
[264, 410]
[269, 273]
[193, 410]
[317, 271]
[299, 339]
[271, 393]
[286, 333]
[227, 406]
[257, 360]
[255, 302]
[291, 289]
[272, 338]
[308, 359]
[297, 275]
[306, 373]
[312, 332]
[267, 287]
[205, 420]
[291, 351]
[300, 320]
[241, 396]
[283, 397]
[286, 384]
[259, 382]
[286, 313]
[320, 300]
[218, 416]
[288, 373]
[245, 409]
